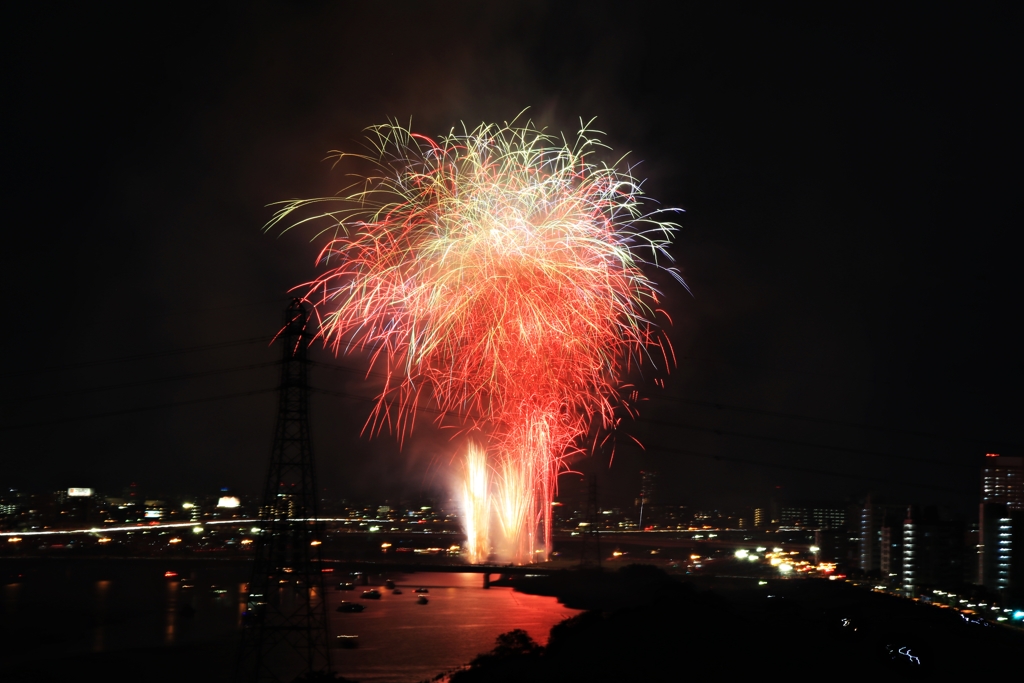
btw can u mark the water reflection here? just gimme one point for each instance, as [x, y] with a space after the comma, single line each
[102, 588]
[11, 598]
[112, 607]
[243, 592]
[402, 641]
[172, 611]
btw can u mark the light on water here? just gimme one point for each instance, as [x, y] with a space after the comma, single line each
[401, 641]
[114, 609]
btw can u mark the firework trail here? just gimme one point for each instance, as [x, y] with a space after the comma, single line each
[516, 497]
[496, 274]
[476, 504]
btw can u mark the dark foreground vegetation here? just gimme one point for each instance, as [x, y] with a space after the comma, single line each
[642, 624]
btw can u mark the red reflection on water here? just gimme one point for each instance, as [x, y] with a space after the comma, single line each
[401, 641]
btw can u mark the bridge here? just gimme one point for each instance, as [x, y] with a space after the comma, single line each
[487, 570]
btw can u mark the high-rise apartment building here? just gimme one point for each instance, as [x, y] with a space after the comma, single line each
[995, 546]
[933, 552]
[1002, 481]
[873, 517]
[891, 553]
[1001, 525]
[870, 557]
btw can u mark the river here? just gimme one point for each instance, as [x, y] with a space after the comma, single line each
[103, 613]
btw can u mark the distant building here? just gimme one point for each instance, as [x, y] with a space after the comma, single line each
[1001, 525]
[1002, 481]
[891, 552]
[873, 517]
[812, 516]
[933, 552]
[836, 545]
[648, 486]
[11, 502]
[996, 538]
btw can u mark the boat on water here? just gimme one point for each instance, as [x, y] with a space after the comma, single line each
[347, 642]
[422, 600]
[351, 607]
[372, 594]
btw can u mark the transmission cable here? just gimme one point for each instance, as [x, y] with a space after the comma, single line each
[680, 451]
[677, 425]
[795, 442]
[830, 421]
[796, 468]
[143, 382]
[138, 409]
[141, 356]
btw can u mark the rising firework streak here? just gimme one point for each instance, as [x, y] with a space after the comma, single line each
[476, 504]
[497, 274]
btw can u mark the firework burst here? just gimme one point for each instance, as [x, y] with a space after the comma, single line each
[497, 274]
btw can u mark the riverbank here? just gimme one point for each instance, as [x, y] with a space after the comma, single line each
[642, 624]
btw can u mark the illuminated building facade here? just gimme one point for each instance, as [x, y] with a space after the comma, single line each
[891, 552]
[873, 517]
[812, 516]
[933, 552]
[1002, 481]
[870, 537]
[1001, 525]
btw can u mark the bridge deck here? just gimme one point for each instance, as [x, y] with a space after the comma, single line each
[412, 567]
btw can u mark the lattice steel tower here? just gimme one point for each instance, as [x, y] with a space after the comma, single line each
[285, 623]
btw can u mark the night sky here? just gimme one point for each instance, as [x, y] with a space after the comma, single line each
[851, 183]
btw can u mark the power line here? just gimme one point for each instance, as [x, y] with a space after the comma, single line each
[138, 409]
[345, 368]
[795, 468]
[829, 421]
[141, 356]
[718, 432]
[189, 310]
[145, 382]
[680, 451]
[342, 368]
[807, 444]
[770, 413]
[649, 447]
